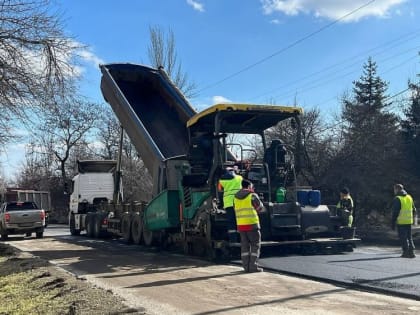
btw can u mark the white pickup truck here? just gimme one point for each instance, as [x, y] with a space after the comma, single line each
[21, 218]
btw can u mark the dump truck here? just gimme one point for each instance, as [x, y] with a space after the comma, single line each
[186, 153]
[92, 186]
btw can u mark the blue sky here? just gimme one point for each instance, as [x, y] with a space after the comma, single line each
[216, 39]
[284, 51]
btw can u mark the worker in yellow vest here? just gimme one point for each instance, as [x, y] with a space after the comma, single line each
[345, 207]
[230, 184]
[403, 213]
[247, 204]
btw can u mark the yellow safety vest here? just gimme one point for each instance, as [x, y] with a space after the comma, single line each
[406, 210]
[230, 188]
[245, 212]
[340, 204]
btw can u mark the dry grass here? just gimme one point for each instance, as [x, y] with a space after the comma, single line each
[30, 285]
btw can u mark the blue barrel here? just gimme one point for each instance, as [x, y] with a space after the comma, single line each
[314, 197]
[303, 197]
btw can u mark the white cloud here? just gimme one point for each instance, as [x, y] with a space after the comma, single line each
[220, 99]
[86, 56]
[90, 57]
[275, 21]
[196, 5]
[331, 9]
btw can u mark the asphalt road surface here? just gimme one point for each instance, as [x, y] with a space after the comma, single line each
[377, 269]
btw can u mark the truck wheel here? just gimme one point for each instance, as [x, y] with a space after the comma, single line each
[187, 247]
[4, 237]
[348, 248]
[28, 234]
[89, 222]
[137, 229]
[148, 237]
[126, 228]
[97, 228]
[39, 234]
[199, 249]
[72, 224]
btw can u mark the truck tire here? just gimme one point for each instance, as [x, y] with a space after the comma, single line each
[97, 227]
[137, 229]
[187, 248]
[126, 228]
[39, 234]
[89, 222]
[149, 237]
[3, 233]
[72, 225]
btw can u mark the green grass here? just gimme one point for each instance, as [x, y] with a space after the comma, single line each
[29, 285]
[29, 292]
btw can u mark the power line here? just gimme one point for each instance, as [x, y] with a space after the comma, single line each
[287, 47]
[312, 85]
[355, 59]
[341, 121]
[397, 94]
[400, 64]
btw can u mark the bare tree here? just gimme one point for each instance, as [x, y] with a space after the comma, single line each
[136, 179]
[108, 134]
[37, 168]
[64, 127]
[317, 144]
[162, 53]
[35, 56]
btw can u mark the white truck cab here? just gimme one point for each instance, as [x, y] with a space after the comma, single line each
[93, 185]
[91, 188]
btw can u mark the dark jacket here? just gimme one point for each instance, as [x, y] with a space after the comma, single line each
[396, 207]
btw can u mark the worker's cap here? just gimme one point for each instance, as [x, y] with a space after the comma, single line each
[246, 184]
[398, 187]
[345, 190]
[229, 170]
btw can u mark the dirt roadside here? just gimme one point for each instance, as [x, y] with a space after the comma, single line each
[31, 285]
[149, 283]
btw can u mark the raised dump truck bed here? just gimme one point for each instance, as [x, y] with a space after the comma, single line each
[152, 111]
[187, 154]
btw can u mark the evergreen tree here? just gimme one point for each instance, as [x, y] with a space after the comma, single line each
[411, 129]
[369, 158]
[365, 114]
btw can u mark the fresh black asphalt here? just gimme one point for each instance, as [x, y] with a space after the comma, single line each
[377, 269]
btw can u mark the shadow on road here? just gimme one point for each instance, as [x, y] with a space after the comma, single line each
[283, 300]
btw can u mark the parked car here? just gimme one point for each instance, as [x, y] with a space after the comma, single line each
[21, 218]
